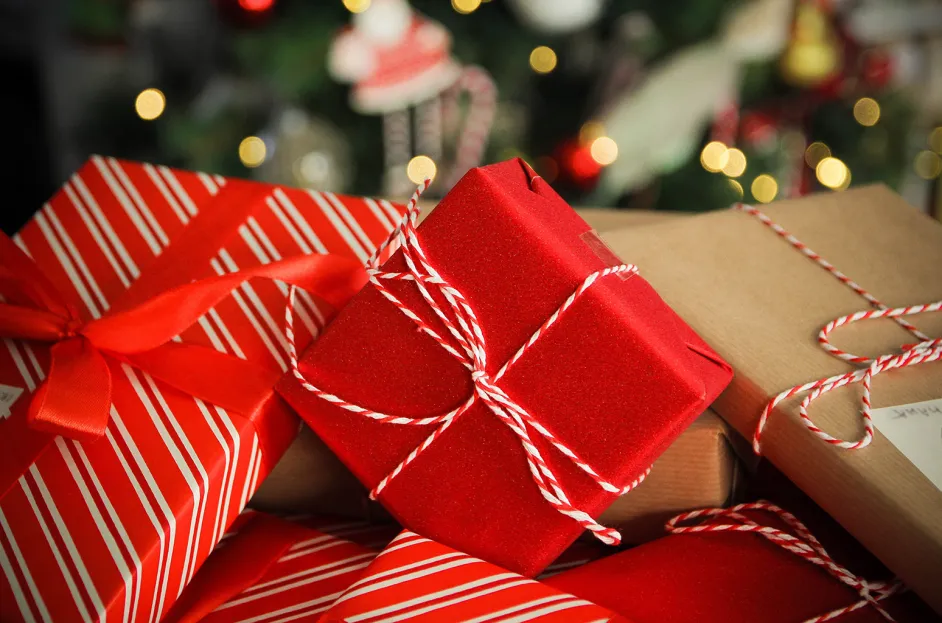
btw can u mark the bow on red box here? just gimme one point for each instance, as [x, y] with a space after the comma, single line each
[75, 399]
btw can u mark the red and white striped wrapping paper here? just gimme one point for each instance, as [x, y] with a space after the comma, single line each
[417, 579]
[112, 530]
[302, 584]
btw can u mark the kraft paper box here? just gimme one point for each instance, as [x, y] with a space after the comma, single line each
[761, 303]
[114, 527]
[700, 469]
[608, 219]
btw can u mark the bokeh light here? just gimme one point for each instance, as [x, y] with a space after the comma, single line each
[590, 131]
[604, 150]
[928, 165]
[735, 163]
[714, 156]
[465, 6]
[815, 153]
[867, 111]
[543, 59]
[832, 173]
[421, 168]
[256, 5]
[764, 188]
[356, 6]
[935, 140]
[150, 104]
[252, 151]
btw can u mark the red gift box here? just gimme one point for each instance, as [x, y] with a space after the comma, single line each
[417, 579]
[615, 377]
[753, 562]
[113, 528]
[268, 570]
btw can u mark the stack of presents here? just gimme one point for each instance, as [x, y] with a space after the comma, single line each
[229, 401]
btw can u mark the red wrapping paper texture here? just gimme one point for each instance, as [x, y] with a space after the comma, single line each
[617, 379]
[416, 579]
[720, 577]
[114, 528]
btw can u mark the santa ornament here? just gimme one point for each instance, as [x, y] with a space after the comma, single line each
[398, 60]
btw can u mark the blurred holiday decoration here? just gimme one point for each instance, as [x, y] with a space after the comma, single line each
[814, 53]
[657, 126]
[308, 152]
[397, 59]
[557, 16]
[688, 105]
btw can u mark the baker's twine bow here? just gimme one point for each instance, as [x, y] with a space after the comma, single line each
[925, 351]
[470, 349]
[802, 543]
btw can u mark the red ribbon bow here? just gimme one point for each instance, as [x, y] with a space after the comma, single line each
[75, 398]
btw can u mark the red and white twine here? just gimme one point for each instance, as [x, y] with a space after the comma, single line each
[802, 543]
[467, 344]
[927, 350]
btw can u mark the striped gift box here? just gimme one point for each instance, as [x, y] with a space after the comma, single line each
[272, 570]
[417, 579]
[114, 529]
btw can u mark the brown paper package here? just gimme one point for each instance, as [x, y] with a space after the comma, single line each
[760, 303]
[699, 470]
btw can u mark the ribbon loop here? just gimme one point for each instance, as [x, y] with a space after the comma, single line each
[465, 341]
[927, 350]
[801, 543]
[75, 398]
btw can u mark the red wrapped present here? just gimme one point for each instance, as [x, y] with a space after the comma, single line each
[161, 449]
[560, 372]
[417, 579]
[751, 562]
[269, 569]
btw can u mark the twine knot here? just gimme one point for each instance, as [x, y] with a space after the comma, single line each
[465, 341]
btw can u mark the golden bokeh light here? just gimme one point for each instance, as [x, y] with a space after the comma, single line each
[735, 163]
[714, 156]
[764, 188]
[737, 188]
[928, 165]
[252, 151]
[604, 150]
[356, 6]
[150, 104]
[867, 111]
[465, 6]
[543, 59]
[815, 153]
[832, 173]
[421, 168]
[590, 131]
[935, 140]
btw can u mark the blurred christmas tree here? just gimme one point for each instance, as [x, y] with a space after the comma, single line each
[687, 105]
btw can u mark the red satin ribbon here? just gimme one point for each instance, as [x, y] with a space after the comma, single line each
[75, 399]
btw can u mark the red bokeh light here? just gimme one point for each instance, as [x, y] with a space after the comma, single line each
[256, 5]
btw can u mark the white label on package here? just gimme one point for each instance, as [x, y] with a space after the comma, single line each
[8, 396]
[916, 430]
